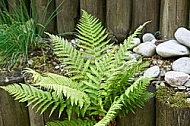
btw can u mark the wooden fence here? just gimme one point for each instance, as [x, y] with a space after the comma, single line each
[121, 17]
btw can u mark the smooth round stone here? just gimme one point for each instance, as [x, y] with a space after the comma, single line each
[187, 84]
[182, 65]
[162, 84]
[183, 36]
[134, 43]
[172, 48]
[131, 56]
[187, 89]
[175, 79]
[148, 37]
[155, 62]
[152, 71]
[188, 99]
[146, 49]
[181, 87]
[154, 41]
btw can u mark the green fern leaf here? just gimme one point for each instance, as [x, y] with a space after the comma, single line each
[133, 93]
[121, 53]
[34, 96]
[70, 56]
[92, 36]
[63, 85]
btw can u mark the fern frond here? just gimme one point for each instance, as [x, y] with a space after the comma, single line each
[70, 56]
[121, 54]
[111, 114]
[63, 85]
[73, 122]
[134, 93]
[92, 36]
[36, 97]
[35, 75]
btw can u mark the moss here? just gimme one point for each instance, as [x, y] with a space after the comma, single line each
[169, 96]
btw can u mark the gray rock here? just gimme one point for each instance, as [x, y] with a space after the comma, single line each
[172, 48]
[175, 79]
[154, 41]
[182, 65]
[183, 36]
[188, 99]
[181, 87]
[146, 49]
[187, 93]
[57, 67]
[187, 84]
[152, 71]
[148, 37]
[135, 42]
[187, 89]
[154, 62]
[132, 56]
[162, 84]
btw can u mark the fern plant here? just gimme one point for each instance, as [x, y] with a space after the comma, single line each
[98, 85]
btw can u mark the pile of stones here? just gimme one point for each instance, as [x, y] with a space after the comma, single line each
[170, 64]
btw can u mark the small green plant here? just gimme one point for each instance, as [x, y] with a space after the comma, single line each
[20, 31]
[98, 85]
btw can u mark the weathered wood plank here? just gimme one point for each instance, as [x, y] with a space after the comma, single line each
[174, 13]
[12, 113]
[146, 10]
[189, 16]
[94, 7]
[12, 4]
[171, 116]
[43, 15]
[54, 116]
[68, 15]
[35, 118]
[118, 17]
[142, 117]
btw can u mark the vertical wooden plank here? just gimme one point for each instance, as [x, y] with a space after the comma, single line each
[94, 7]
[146, 10]
[142, 117]
[189, 16]
[174, 13]
[168, 115]
[11, 5]
[12, 113]
[54, 116]
[145, 116]
[42, 14]
[118, 17]
[35, 118]
[67, 15]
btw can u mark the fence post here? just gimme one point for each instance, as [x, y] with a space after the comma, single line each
[95, 8]
[12, 113]
[118, 18]
[67, 15]
[35, 118]
[189, 17]
[174, 13]
[146, 10]
[42, 14]
[145, 116]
